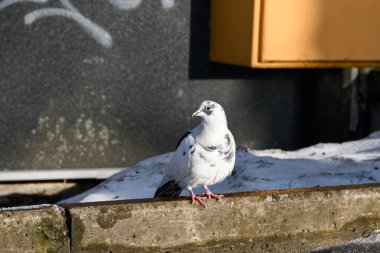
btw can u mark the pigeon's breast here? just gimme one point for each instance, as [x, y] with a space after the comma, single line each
[211, 164]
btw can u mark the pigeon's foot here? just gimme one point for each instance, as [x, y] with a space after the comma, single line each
[218, 197]
[211, 195]
[199, 199]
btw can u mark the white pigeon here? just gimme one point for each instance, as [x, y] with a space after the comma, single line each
[204, 156]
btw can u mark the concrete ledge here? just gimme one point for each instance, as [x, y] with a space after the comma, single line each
[295, 220]
[34, 230]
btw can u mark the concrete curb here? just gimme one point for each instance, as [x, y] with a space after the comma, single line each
[295, 220]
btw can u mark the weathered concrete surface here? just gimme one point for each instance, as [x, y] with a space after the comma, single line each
[268, 221]
[34, 230]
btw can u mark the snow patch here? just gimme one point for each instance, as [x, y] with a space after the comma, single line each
[354, 162]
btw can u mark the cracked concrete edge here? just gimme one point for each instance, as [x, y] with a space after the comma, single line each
[295, 220]
[34, 229]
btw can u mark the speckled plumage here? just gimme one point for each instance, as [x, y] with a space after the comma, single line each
[204, 156]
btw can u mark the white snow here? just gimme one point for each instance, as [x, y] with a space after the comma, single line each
[354, 162]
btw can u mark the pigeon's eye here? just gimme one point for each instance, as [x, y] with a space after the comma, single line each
[208, 108]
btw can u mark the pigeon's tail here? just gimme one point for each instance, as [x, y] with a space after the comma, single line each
[168, 190]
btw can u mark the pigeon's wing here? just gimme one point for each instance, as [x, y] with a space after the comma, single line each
[178, 167]
[169, 189]
[182, 138]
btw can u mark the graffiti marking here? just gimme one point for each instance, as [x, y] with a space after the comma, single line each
[92, 29]
[95, 31]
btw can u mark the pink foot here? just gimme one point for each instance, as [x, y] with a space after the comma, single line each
[211, 195]
[199, 199]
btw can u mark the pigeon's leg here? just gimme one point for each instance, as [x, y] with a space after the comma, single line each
[199, 199]
[210, 195]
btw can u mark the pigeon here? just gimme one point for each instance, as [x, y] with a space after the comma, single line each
[204, 156]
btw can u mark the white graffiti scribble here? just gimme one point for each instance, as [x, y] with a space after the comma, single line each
[98, 33]
[167, 4]
[68, 5]
[125, 5]
[132, 4]
[95, 31]
[6, 3]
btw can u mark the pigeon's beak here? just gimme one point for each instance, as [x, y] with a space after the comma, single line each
[196, 113]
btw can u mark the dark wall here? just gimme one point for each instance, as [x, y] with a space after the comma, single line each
[108, 83]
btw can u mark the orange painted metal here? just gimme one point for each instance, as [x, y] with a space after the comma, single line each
[296, 33]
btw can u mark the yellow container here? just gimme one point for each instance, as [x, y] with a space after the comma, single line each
[295, 33]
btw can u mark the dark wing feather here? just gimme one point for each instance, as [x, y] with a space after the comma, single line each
[168, 190]
[183, 137]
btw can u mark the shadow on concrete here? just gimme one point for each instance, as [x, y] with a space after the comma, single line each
[43, 196]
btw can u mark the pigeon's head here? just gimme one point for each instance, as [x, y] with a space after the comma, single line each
[209, 110]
